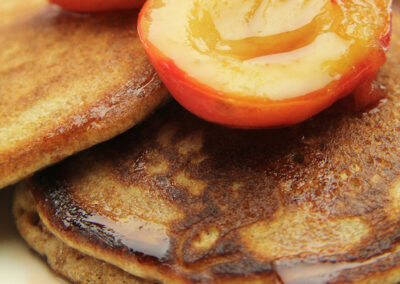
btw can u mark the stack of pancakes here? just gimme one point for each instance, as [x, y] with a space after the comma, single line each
[176, 199]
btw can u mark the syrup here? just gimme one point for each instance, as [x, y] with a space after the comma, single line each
[135, 233]
[317, 273]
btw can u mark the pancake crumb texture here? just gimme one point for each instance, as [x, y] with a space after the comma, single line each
[68, 81]
[180, 200]
[64, 260]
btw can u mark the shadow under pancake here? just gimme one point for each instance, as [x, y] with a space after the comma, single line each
[18, 263]
[6, 221]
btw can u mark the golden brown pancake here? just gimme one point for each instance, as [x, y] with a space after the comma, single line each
[179, 200]
[14, 10]
[68, 81]
[64, 260]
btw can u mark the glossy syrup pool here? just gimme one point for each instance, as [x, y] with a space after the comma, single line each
[317, 273]
[135, 233]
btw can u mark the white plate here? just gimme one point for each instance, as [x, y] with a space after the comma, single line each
[18, 263]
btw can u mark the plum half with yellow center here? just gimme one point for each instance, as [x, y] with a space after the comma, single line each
[264, 63]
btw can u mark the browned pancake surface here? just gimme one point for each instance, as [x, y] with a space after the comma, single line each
[179, 199]
[68, 81]
[64, 260]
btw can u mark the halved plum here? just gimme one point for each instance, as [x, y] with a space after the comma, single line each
[264, 63]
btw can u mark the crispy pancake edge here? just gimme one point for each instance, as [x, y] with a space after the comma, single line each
[383, 272]
[64, 260]
[86, 126]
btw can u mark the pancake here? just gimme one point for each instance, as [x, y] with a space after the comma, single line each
[180, 200]
[14, 10]
[64, 260]
[68, 81]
